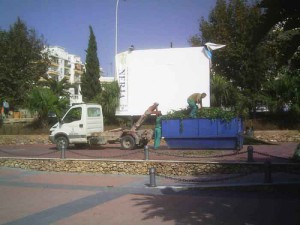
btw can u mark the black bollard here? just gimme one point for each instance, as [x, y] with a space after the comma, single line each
[268, 172]
[250, 154]
[63, 152]
[152, 172]
[146, 152]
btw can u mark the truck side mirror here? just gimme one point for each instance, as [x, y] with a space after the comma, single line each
[60, 121]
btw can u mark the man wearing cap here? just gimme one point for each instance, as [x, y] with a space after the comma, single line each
[193, 100]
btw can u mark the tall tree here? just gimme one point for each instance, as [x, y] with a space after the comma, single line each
[22, 62]
[90, 83]
[232, 23]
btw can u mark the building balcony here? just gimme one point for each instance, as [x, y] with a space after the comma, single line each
[78, 72]
[77, 80]
[54, 77]
[53, 72]
[78, 66]
[54, 60]
[67, 65]
[67, 72]
[67, 76]
[54, 64]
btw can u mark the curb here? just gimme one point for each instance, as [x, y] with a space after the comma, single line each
[244, 186]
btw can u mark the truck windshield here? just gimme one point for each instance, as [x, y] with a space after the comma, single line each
[73, 115]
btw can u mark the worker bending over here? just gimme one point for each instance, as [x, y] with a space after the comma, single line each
[193, 100]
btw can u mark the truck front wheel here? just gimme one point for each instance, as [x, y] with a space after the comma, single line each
[127, 142]
[62, 142]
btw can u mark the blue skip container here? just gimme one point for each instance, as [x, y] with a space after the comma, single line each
[203, 133]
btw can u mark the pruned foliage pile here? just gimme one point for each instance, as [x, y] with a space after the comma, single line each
[207, 113]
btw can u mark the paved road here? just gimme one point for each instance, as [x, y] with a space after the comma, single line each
[31, 197]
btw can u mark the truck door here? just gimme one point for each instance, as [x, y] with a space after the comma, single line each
[94, 119]
[73, 125]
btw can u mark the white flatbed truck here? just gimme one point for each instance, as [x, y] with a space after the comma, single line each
[83, 124]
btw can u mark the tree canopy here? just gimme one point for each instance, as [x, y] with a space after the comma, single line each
[283, 15]
[109, 99]
[256, 39]
[232, 24]
[22, 62]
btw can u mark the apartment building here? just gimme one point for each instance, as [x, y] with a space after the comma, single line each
[66, 65]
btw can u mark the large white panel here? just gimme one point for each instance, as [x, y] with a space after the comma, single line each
[166, 76]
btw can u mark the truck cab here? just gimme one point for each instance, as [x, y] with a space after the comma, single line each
[77, 125]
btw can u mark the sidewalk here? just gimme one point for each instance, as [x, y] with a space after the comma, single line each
[61, 198]
[31, 197]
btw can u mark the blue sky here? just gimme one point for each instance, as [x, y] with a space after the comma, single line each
[146, 24]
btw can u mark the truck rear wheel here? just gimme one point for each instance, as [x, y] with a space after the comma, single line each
[62, 142]
[127, 142]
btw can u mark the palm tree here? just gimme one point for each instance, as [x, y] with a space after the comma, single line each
[60, 88]
[109, 99]
[221, 91]
[43, 100]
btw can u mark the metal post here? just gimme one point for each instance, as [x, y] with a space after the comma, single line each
[116, 40]
[152, 172]
[63, 152]
[146, 152]
[250, 154]
[268, 172]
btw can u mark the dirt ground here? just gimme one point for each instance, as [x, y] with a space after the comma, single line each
[278, 135]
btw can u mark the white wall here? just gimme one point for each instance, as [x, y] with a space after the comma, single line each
[165, 76]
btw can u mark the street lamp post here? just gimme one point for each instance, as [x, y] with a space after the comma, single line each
[116, 40]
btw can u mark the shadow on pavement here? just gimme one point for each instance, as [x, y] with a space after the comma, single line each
[273, 205]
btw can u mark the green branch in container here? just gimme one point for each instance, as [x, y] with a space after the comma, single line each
[207, 113]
